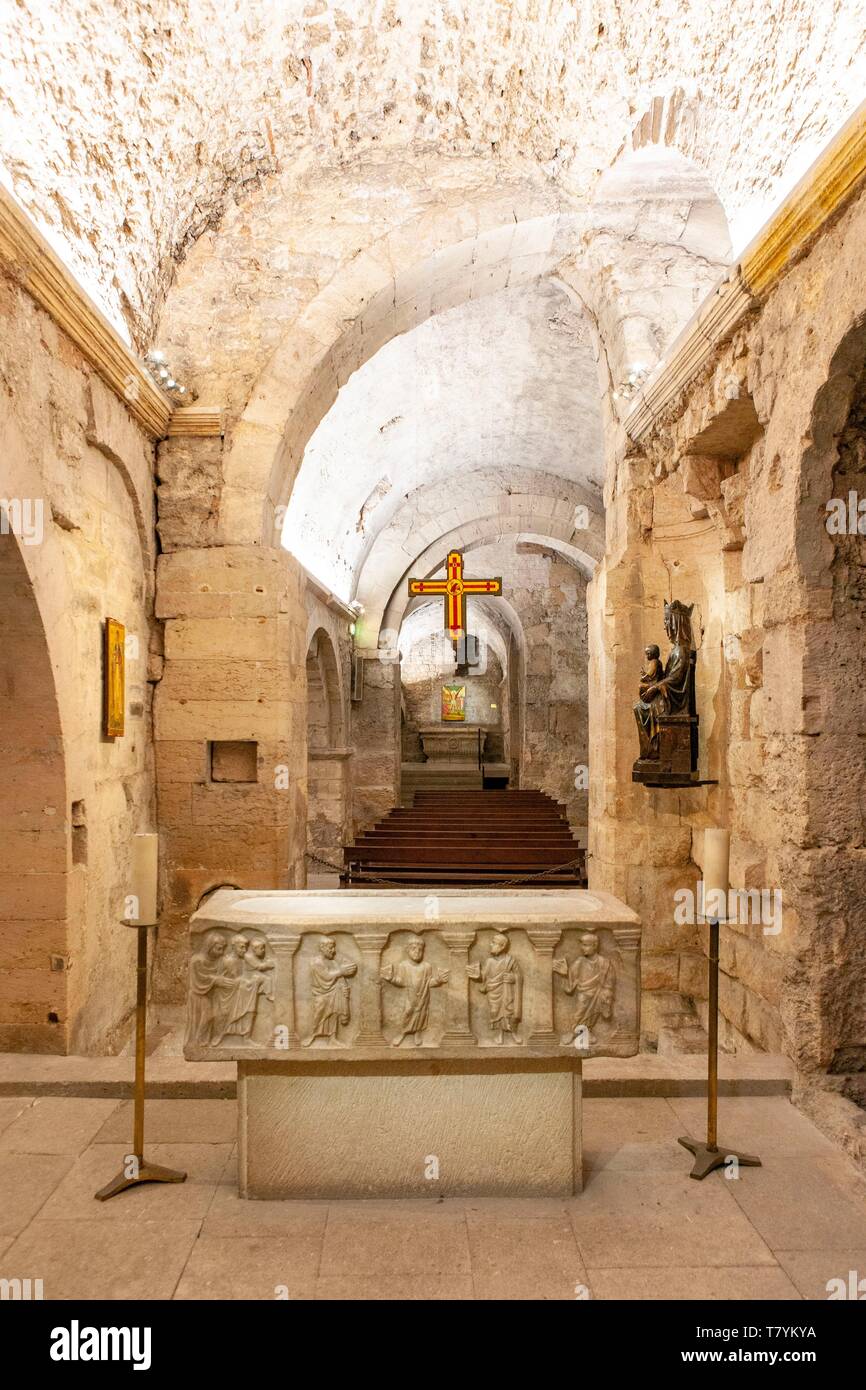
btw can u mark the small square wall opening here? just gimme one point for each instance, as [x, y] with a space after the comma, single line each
[234, 762]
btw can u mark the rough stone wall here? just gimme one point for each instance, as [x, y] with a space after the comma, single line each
[127, 130]
[424, 672]
[550, 596]
[376, 745]
[68, 813]
[726, 504]
[230, 723]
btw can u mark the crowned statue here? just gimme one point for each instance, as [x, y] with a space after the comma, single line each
[665, 713]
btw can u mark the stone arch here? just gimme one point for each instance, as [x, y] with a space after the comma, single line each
[828, 653]
[385, 291]
[657, 241]
[426, 666]
[34, 859]
[326, 752]
[557, 531]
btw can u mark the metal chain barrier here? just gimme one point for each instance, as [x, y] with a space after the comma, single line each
[489, 883]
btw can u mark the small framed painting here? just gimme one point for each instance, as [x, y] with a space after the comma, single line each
[115, 678]
[453, 702]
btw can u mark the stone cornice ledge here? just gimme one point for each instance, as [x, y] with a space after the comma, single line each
[821, 193]
[38, 270]
[196, 421]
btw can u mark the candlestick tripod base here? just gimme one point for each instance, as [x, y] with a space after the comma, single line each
[708, 1159]
[146, 1172]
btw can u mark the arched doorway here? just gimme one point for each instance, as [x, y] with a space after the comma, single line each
[33, 821]
[327, 756]
[825, 1013]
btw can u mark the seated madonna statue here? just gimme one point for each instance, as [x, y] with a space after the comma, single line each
[665, 691]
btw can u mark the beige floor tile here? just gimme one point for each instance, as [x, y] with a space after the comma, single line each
[524, 1258]
[396, 1288]
[57, 1125]
[175, 1122]
[642, 1219]
[234, 1216]
[26, 1183]
[766, 1126]
[74, 1198]
[5, 1242]
[665, 1156]
[252, 1267]
[748, 1282]
[11, 1107]
[607, 1124]
[517, 1208]
[367, 1243]
[800, 1203]
[812, 1271]
[631, 1136]
[93, 1263]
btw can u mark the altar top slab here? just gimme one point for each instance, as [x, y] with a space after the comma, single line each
[395, 907]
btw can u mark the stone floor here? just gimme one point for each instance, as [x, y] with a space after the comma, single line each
[641, 1229]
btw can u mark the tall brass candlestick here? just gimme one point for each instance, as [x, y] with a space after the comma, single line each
[711, 1155]
[136, 1169]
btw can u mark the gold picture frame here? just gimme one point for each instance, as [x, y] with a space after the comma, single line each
[115, 678]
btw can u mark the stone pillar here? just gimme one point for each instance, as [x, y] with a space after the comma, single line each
[544, 941]
[371, 945]
[376, 740]
[285, 950]
[230, 733]
[458, 1032]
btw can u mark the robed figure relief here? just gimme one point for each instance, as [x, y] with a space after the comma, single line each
[665, 712]
[226, 981]
[591, 979]
[329, 988]
[501, 979]
[417, 977]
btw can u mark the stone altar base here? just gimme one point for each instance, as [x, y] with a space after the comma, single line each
[501, 1127]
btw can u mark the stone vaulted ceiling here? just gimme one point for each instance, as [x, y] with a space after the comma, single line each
[127, 127]
[493, 397]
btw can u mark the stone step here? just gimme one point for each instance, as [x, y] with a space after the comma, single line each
[31, 1074]
[684, 1039]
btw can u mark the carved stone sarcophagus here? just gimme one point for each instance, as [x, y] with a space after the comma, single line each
[355, 972]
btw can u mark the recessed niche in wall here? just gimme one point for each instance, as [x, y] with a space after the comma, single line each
[78, 819]
[234, 761]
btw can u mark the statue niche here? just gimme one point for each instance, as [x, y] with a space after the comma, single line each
[666, 713]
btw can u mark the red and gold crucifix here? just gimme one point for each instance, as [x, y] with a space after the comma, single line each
[455, 588]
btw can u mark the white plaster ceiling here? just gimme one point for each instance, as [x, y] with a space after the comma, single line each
[504, 385]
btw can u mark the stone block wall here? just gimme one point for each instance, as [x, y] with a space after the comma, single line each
[725, 503]
[72, 799]
[235, 627]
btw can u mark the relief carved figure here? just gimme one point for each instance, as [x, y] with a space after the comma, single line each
[249, 968]
[501, 979]
[225, 984]
[417, 976]
[591, 977]
[329, 986]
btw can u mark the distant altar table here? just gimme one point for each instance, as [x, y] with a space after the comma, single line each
[454, 743]
[411, 1043]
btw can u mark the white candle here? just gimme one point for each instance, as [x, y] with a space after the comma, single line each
[145, 851]
[717, 855]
